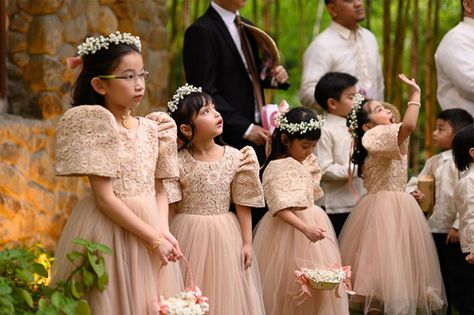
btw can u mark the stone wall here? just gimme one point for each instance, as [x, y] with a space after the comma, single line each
[40, 35]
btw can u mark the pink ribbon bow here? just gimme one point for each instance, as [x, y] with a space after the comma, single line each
[347, 281]
[74, 62]
[305, 290]
[198, 295]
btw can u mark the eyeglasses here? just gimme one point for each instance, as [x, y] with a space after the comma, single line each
[131, 77]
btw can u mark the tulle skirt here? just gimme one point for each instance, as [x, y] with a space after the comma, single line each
[281, 249]
[213, 247]
[394, 262]
[133, 273]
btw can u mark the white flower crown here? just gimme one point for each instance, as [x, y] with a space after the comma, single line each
[180, 93]
[93, 44]
[302, 127]
[357, 101]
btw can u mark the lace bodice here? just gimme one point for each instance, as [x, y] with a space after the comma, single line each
[208, 188]
[385, 167]
[288, 183]
[89, 142]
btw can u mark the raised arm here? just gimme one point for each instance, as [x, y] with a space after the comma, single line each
[411, 115]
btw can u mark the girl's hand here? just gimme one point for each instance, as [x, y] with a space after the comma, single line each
[170, 238]
[165, 251]
[418, 195]
[247, 255]
[313, 232]
[470, 258]
[411, 82]
[453, 236]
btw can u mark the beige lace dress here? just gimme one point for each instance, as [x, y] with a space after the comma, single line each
[209, 234]
[386, 239]
[89, 142]
[281, 249]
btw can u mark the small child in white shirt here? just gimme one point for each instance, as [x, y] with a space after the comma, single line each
[334, 93]
[442, 219]
[463, 151]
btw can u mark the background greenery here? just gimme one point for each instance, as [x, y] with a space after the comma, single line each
[408, 32]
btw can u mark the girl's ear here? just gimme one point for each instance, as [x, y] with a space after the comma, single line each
[186, 130]
[284, 139]
[98, 85]
[367, 126]
[471, 153]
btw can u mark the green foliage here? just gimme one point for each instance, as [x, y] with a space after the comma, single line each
[24, 275]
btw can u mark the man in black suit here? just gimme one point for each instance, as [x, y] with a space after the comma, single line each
[214, 60]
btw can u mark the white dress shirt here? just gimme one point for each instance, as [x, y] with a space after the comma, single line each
[455, 67]
[336, 49]
[464, 199]
[445, 174]
[333, 150]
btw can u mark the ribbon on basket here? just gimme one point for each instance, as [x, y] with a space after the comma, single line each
[187, 298]
[304, 280]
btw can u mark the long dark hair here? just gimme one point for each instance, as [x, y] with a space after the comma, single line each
[360, 153]
[188, 108]
[295, 115]
[102, 62]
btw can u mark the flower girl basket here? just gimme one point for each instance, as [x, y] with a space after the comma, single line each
[188, 302]
[322, 279]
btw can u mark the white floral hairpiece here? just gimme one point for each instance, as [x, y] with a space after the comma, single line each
[93, 44]
[302, 127]
[357, 101]
[180, 93]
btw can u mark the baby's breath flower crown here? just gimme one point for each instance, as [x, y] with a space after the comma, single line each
[302, 127]
[93, 44]
[180, 93]
[357, 101]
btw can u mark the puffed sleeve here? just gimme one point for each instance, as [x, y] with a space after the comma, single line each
[282, 186]
[167, 165]
[382, 141]
[87, 142]
[246, 186]
[173, 190]
[312, 164]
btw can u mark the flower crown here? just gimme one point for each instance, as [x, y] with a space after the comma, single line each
[302, 127]
[93, 44]
[180, 93]
[357, 101]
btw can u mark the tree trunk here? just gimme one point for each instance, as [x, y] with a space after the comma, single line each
[387, 49]
[428, 104]
[319, 17]
[414, 70]
[368, 12]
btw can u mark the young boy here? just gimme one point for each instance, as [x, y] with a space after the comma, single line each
[334, 93]
[442, 219]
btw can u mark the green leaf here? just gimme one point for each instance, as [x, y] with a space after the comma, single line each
[83, 308]
[56, 299]
[73, 256]
[75, 293]
[24, 296]
[89, 277]
[39, 269]
[99, 267]
[24, 275]
[70, 307]
[102, 282]
[104, 249]
[5, 289]
[6, 306]
[42, 303]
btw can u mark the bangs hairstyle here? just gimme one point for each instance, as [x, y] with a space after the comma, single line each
[457, 118]
[296, 116]
[188, 108]
[462, 143]
[102, 62]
